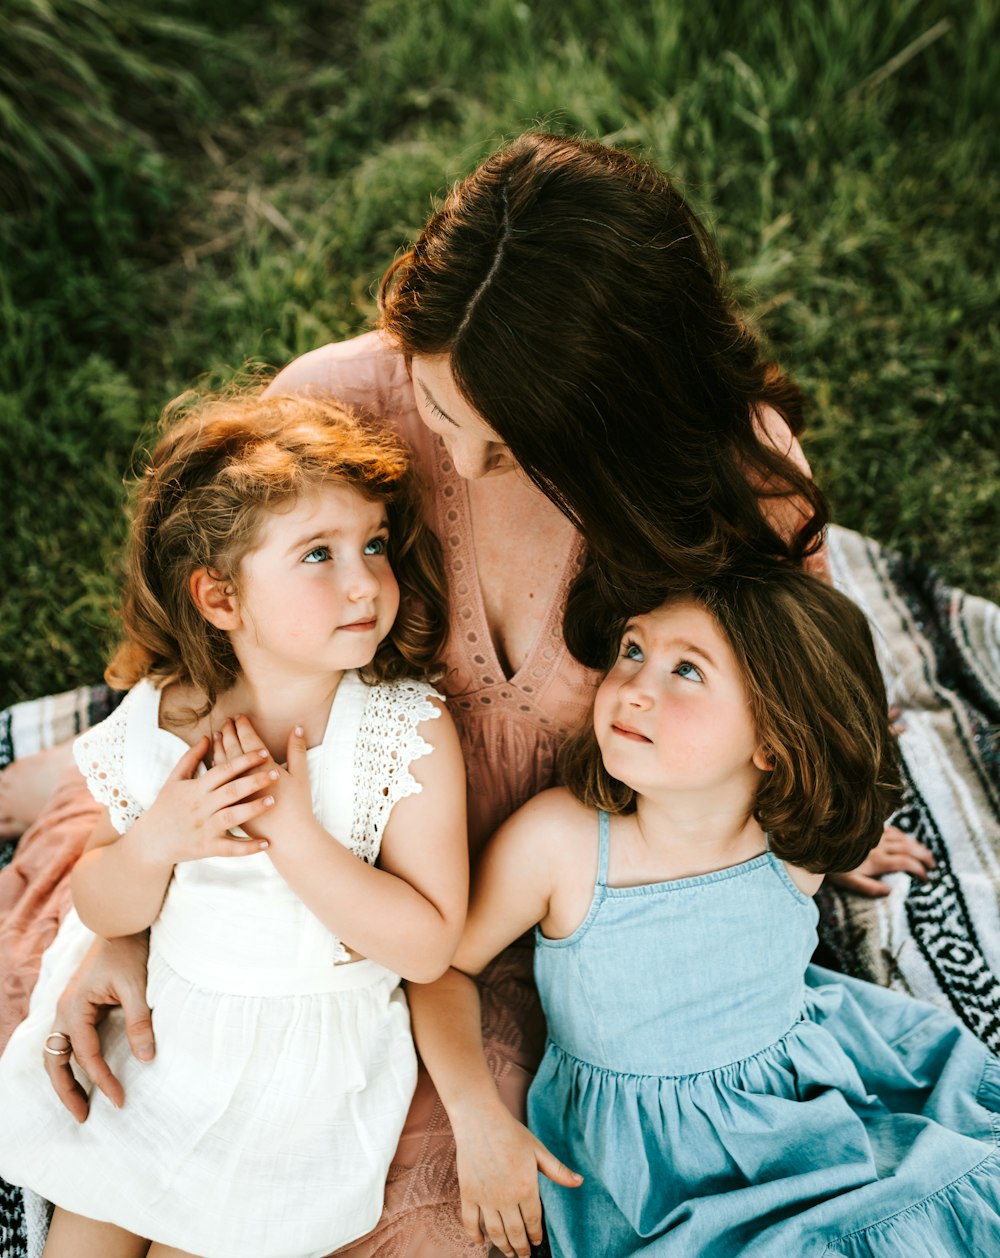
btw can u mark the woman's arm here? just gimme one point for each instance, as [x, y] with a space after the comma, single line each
[120, 880]
[406, 913]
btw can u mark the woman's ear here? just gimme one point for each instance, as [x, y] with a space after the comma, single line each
[763, 758]
[215, 598]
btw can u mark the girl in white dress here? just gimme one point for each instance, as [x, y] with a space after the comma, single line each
[278, 711]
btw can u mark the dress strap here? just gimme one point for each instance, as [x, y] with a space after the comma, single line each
[602, 857]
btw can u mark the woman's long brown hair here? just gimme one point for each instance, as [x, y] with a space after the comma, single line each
[587, 321]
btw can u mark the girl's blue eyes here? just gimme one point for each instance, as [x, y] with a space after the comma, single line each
[685, 669]
[377, 546]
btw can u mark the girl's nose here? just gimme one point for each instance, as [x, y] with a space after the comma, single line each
[634, 691]
[363, 583]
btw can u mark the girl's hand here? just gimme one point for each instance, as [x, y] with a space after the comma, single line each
[192, 816]
[895, 852]
[498, 1164]
[292, 807]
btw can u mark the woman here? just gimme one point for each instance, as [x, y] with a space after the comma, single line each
[591, 416]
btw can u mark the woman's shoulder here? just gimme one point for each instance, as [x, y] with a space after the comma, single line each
[368, 374]
[361, 371]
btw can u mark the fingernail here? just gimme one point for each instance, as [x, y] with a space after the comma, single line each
[263, 753]
[263, 843]
[273, 775]
[299, 731]
[268, 800]
[144, 1052]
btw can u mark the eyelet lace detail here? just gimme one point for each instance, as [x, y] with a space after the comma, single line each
[388, 743]
[100, 756]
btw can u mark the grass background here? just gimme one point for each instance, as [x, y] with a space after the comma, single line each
[186, 192]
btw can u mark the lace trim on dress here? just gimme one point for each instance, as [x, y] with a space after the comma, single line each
[100, 757]
[388, 743]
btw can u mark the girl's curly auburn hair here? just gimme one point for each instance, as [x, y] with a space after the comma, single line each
[221, 463]
[819, 704]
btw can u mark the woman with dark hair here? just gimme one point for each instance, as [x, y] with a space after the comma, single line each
[591, 417]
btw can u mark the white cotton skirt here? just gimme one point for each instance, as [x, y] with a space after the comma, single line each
[263, 1128]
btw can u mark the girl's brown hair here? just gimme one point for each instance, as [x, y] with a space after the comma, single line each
[819, 704]
[583, 307]
[223, 462]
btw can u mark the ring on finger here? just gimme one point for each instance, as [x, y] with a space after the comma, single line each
[64, 1050]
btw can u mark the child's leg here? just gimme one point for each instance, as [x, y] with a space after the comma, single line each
[168, 1251]
[73, 1236]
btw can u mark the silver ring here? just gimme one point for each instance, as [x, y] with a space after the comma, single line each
[58, 1052]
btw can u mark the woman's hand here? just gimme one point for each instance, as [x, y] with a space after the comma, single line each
[498, 1164]
[113, 973]
[895, 852]
[193, 815]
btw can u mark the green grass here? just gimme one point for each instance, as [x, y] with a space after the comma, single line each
[242, 185]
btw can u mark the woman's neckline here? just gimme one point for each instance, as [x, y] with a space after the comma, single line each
[476, 630]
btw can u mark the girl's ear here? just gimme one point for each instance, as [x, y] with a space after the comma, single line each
[763, 758]
[214, 597]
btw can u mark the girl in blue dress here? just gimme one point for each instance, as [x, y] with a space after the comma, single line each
[696, 1096]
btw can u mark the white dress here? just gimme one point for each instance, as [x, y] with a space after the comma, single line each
[265, 1124]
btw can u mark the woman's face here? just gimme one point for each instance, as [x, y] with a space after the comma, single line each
[475, 448]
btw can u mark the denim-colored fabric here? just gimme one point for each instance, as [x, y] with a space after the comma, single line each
[722, 1097]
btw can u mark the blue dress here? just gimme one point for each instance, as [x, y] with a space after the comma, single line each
[720, 1100]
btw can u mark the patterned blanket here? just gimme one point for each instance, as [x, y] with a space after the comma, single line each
[938, 940]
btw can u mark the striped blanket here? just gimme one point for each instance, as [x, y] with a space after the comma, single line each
[938, 940]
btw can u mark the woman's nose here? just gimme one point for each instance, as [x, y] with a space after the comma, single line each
[473, 458]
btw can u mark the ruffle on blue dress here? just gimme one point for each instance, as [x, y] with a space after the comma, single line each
[722, 1097]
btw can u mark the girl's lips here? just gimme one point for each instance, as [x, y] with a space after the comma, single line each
[360, 626]
[633, 734]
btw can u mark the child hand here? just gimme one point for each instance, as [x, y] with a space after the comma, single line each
[498, 1164]
[192, 816]
[292, 807]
